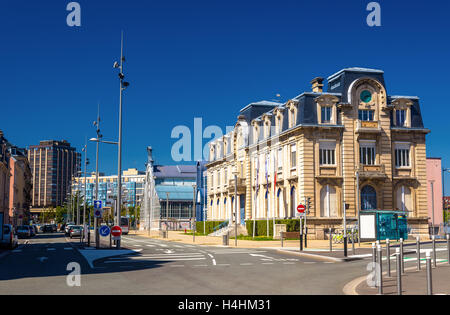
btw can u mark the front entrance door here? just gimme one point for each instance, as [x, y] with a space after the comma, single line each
[368, 198]
[242, 209]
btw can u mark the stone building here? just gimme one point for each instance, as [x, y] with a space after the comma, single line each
[354, 146]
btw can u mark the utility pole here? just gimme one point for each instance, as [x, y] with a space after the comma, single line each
[99, 137]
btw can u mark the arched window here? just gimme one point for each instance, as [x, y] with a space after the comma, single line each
[281, 212]
[293, 201]
[328, 205]
[368, 198]
[403, 199]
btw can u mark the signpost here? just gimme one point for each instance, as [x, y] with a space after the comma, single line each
[104, 230]
[116, 232]
[301, 210]
[97, 214]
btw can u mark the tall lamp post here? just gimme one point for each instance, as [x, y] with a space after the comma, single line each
[123, 86]
[235, 173]
[443, 190]
[432, 207]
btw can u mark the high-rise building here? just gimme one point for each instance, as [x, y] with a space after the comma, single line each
[53, 164]
[132, 188]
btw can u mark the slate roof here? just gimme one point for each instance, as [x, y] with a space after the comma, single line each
[338, 85]
[175, 171]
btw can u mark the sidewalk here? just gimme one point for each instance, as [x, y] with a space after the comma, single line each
[413, 282]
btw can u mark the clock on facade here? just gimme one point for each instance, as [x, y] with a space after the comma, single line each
[366, 96]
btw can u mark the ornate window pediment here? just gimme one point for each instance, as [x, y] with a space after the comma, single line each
[326, 109]
[402, 112]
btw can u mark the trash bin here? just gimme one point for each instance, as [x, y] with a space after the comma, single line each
[225, 239]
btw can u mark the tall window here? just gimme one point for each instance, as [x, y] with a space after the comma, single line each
[366, 115]
[326, 114]
[328, 202]
[368, 198]
[327, 153]
[404, 199]
[402, 155]
[280, 159]
[400, 117]
[293, 156]
[367, 153]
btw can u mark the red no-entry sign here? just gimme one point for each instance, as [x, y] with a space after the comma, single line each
[301, 209]
[116, 231]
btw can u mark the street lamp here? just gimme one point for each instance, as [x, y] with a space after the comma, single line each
[123, 86]
[443, 188]
[235, 173]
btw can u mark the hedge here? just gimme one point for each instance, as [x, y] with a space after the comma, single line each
[210, 225]
[261, 226]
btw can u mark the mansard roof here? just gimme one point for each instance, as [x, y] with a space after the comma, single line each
[338, 85]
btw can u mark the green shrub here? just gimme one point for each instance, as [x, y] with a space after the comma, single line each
[210, 225]
[292, 225]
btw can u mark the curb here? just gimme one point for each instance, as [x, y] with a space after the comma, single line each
[319, 257]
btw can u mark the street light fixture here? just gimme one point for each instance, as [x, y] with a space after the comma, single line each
[123, 86]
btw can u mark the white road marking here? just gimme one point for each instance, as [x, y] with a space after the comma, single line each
[309, 262]
[154, 259]
[246, 264]
[148, 245]
[214, 262]
[288, 263]
[267, 263]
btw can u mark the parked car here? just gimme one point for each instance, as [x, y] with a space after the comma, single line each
[67, 230]
[47, 228]
[33, 231]
[10, 239]
[24, 231]
[76, 231]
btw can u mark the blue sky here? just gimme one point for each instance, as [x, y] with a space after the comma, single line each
[208, 59]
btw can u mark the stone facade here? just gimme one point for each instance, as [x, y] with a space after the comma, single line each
[354, 145]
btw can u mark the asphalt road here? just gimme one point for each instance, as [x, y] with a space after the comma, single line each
[162, 267]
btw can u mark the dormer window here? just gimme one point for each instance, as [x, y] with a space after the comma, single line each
[400, 116]
[326, 114]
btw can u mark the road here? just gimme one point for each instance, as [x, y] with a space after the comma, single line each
[161, 267]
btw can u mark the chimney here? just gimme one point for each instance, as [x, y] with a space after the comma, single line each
[317, 85]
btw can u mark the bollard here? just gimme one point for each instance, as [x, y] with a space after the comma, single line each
[353, 241]
[399, 272]
[448, 249]
[388, 257]
[429, 274]
[418, 252]
[380, 272]
[282, 237]
[434, 251]
[401, 256]
[331, 241]
[374, 261]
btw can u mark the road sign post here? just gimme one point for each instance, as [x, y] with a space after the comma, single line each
[116, 232]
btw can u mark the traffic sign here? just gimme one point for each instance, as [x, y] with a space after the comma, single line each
[116, 231]
[301, 209]
[104, 230]
[98, 213]
[98, 204]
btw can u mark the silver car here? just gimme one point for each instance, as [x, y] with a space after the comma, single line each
[10, 239]
[75, 231]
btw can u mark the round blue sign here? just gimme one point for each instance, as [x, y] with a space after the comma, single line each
[104, 230]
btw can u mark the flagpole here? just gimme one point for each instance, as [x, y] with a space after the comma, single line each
[267, 198]
[274, 190]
